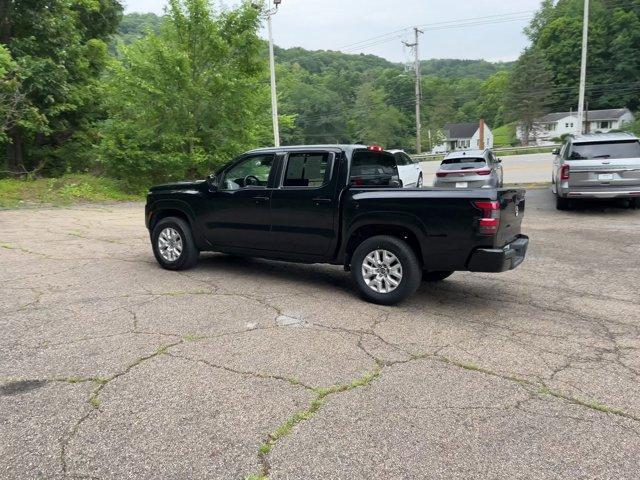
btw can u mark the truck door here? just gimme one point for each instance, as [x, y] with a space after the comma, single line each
[304, 207]
[238, 213]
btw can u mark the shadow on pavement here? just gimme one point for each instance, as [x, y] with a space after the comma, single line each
[313, 275]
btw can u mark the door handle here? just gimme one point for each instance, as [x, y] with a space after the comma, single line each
[322, 200]
[261, 199]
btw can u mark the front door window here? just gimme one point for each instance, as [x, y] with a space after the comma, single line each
[250, 173]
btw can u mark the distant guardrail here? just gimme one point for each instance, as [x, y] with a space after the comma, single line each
[506, 151]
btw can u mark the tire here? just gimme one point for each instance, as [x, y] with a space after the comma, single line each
[433, 277]
[420, 182]
[410, 270]
[634, 203]
[188, 253]
[562, 203]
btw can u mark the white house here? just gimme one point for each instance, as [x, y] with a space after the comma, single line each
[554, 125]
[463, 136]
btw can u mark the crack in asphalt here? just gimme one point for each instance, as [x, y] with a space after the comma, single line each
[594, 356]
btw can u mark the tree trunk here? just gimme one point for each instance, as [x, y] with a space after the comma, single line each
[5, 21]
[14, 150]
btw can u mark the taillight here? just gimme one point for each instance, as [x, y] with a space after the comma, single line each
[565, 172]
[375, 148]
[483, 171]
[490, 221]
[441, 174]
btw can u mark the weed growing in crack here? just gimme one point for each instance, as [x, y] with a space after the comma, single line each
[161, 350]
[304, 415]
[94, 401]
[193, 337]
[264, 449]
[75, 380]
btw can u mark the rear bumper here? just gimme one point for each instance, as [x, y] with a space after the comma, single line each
[471, 184]
[614, 193]
[604, 193]
[499, 259]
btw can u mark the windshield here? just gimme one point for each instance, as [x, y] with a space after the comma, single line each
[624, 149]
[463, 163]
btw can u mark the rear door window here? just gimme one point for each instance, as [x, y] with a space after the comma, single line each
[463, 163]
[598, 150]
[370, 168]
[310, 170]
[400, 159]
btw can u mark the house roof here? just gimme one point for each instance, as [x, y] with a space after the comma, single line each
[461, 130]
[595, 115]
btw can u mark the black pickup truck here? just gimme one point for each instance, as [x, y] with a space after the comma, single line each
[340, 205]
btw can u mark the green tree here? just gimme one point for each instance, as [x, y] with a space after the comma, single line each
[132, 28]
[373, 121]
[59, 50]
[187, 99]
[494, 91]
[613, 68]
[318, 109]
[529, 94]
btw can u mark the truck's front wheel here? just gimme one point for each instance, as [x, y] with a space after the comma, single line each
[385, 269]
[173, 244]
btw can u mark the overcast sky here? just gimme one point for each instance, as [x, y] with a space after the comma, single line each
[494, 33]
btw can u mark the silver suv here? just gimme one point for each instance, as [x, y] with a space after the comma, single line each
[597, 165]
[470, 169]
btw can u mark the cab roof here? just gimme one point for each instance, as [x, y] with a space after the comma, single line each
[293, 148]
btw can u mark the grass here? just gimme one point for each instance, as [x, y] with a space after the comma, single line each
[66, 190]
[504, 136]
[522, 151]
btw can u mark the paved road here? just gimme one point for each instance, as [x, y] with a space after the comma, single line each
[112, 368]
[534, 168]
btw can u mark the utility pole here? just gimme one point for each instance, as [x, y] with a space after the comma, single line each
[583, 69]
[272, 68]
[416, 49]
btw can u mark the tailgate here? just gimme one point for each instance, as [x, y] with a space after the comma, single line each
[512, 205]
[624, 172]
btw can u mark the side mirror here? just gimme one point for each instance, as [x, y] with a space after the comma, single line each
[212, 181]
[556, 151]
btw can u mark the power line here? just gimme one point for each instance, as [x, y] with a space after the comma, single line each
[395, 35]
[430, 25]
[624, 88]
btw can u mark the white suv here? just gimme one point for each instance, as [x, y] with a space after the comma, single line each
[409, 171]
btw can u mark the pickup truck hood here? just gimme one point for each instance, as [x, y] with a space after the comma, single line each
[194, 185]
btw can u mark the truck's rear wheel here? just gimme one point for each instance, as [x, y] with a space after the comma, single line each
[385, 269]
[173, 244]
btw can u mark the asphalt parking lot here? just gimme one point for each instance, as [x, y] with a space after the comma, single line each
[112, 368]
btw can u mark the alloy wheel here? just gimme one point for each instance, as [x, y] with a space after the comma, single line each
[382, 271]
[170, 244]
